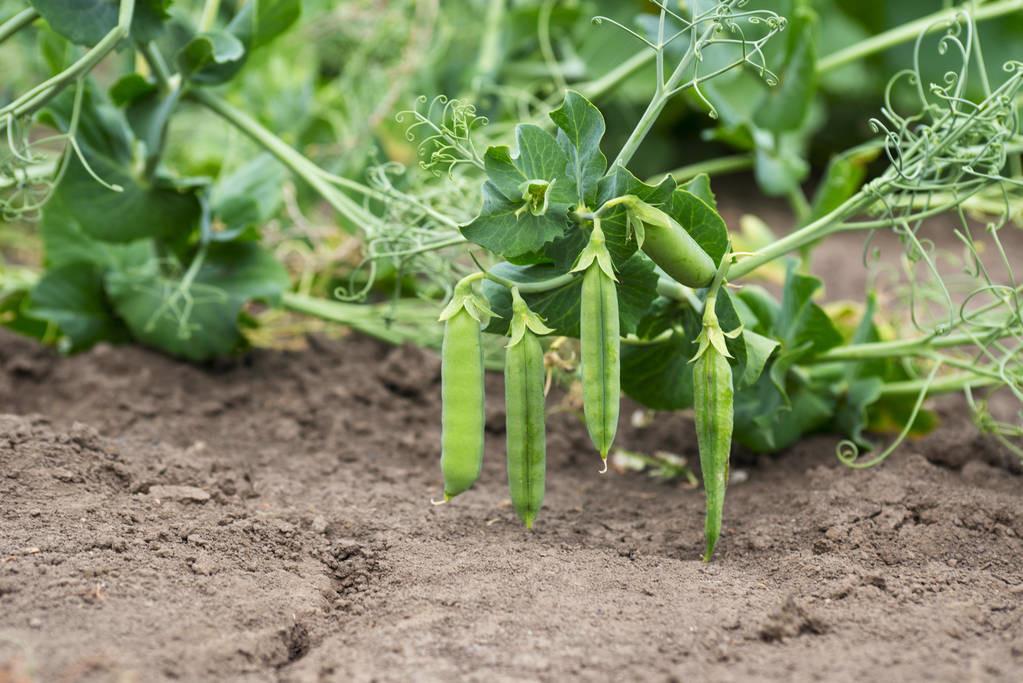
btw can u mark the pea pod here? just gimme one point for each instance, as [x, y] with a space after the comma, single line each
[713, 403]
[601, 343]
[524, 379]
[668, 244]
[462, 392]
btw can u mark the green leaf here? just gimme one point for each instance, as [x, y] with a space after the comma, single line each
[559, 308]
[843, 178]
[250, 196]
[700, 187]
[701, 221]
[801, 323]
[86, 22]
[786, 106]
[130, 88]
[758, 351]
[539, 158]
[660, 376]
[196, 320]
[65, 242]
[211, 58]
[72, 298]
[779, 166]
[764, 425]
[143, 207]
[580, 131]
[261, 21]
[505, 229]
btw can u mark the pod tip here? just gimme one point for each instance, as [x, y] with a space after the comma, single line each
[603, 469]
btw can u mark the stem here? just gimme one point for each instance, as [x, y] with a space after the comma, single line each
[941, 385]
[661, 96]
[490, 45]
[794, 240]
[356, 316]
[47, 90]
[719, 166]
[209, 15]
[533, 287]
[292, 159]
[17, 22]
[910, 31]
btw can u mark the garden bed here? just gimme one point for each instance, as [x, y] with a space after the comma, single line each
[270, 520]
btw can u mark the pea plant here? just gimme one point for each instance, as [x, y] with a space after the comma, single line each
[537, 231]
[665, 303]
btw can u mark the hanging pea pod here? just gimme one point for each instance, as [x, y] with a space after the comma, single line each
[713, 403]
[600, 340]
[667, 243]
[462, 390]
[524, 379]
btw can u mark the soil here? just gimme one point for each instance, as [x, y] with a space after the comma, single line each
[270, 520]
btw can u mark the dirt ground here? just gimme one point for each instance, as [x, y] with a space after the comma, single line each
[270, 520]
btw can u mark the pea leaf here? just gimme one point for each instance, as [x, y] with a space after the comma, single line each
[844, 176]
[786, 106]
[701, 221]
[637, 283]
[660, 375]
[801, 323]
[72, 298]
[196, 319]
[211, 58]
[143, 207]
[580, 131]
[764, 425]
[261, 21]
[505, 228]
[249, 196]
[758, 351]
[86, 22]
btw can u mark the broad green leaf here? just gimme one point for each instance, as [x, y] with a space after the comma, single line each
[86, 22]
[580, 132]
[539, 158]
[72, 298]
[843, 178]
[559, 308]
[259, 22]
[142, 207]
[701, 221]
[779, 166]
[758, 351]
[700, 187]
[764, 425]
[211, 58]
[130, 88]
[786, 106]
[249, 196]
[505, 228]
[196, 320]
[801, 323]
[660, 375]
[65, 242]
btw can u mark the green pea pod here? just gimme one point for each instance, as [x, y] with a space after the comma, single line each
[713, 396]
[599, 336]
[524, 379]
[668, 244]
[600, 361]
[463, 404]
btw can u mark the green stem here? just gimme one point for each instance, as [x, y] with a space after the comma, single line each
[664, 92]
[942, 385]
[533, 287]
[292, 159]
[490, 45]
[908, 32]
[719, 166]
[17, 22]
[38, 96]
[209, 15]
[805, 235]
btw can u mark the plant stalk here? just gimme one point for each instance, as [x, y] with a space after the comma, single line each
[17, 22]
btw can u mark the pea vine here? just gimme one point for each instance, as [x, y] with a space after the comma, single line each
[537, 234]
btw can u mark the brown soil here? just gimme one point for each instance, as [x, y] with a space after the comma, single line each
[270, 521]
